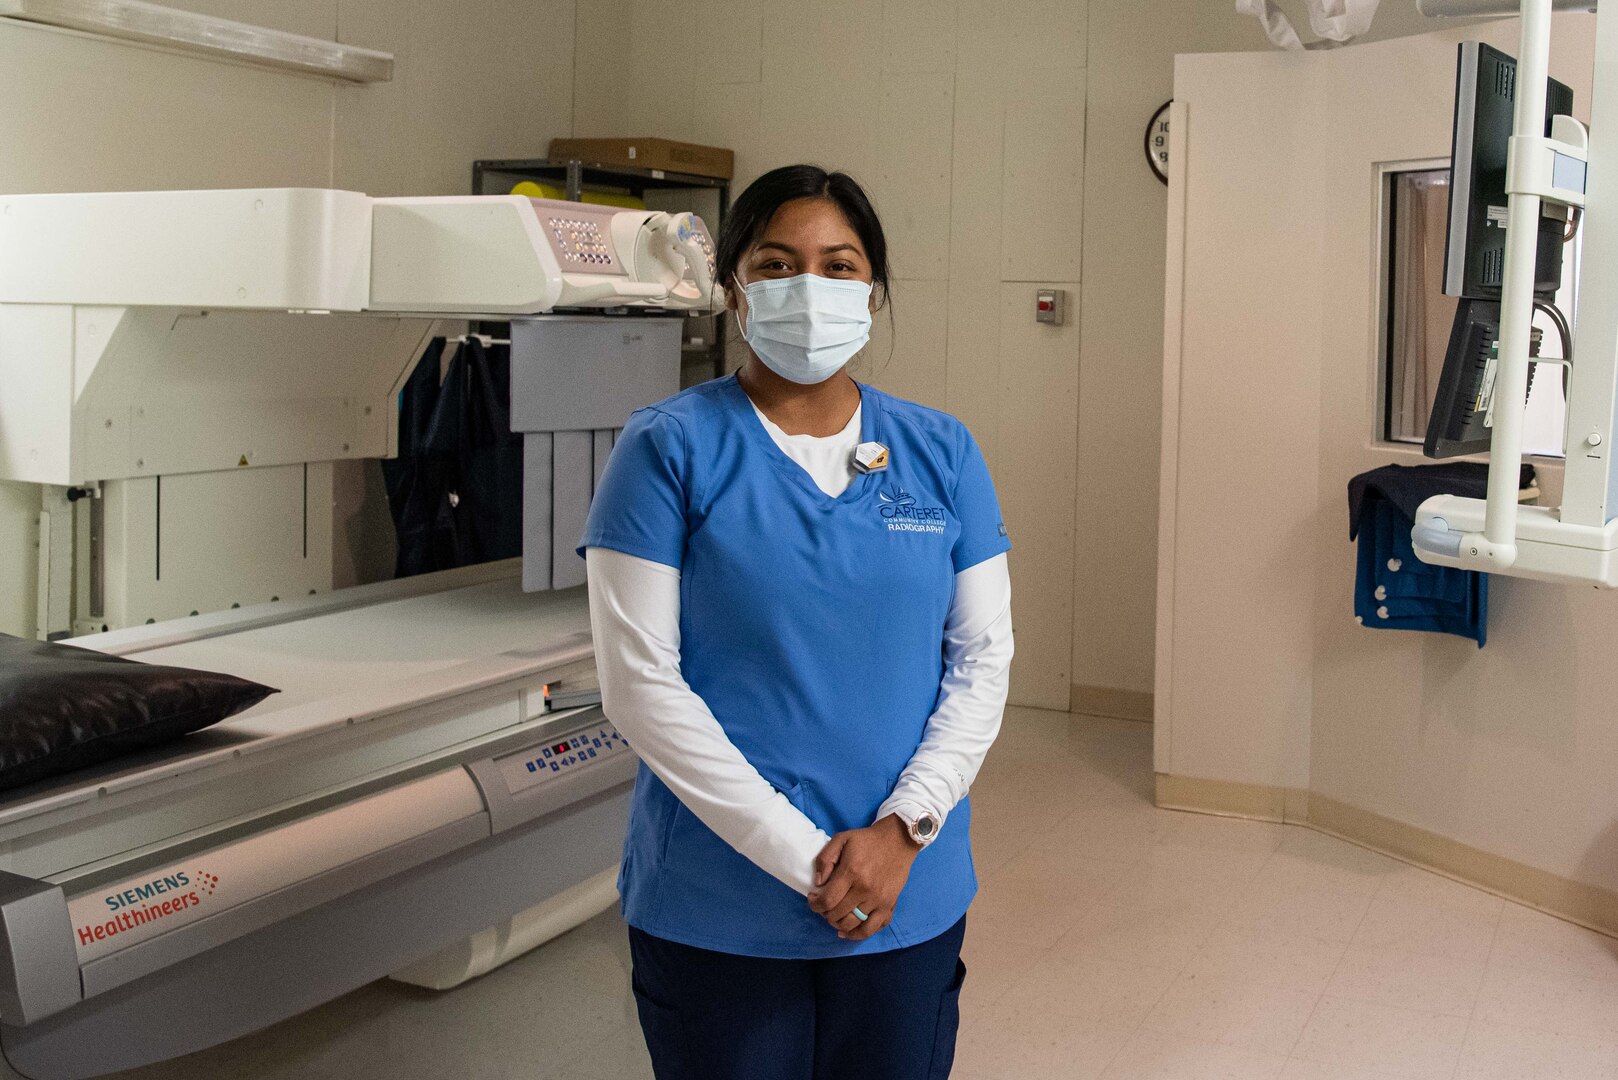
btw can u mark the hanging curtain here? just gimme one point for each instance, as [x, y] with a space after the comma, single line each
[1422, 314]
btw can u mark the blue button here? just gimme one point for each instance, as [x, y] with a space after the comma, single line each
[531, 767]
[554, 766]
[592, 753]
[547, 752]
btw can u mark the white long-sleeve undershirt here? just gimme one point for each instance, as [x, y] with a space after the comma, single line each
[635, 619]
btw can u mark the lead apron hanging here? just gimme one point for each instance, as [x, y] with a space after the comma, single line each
[456, 488]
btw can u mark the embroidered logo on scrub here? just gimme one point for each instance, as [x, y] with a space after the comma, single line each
[901, 514]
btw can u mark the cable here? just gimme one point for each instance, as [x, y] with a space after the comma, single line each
[1565, 332]
[1575, 218]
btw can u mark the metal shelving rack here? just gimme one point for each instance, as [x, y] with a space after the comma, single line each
[703, 353]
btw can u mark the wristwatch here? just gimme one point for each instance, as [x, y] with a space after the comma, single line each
[923, 828]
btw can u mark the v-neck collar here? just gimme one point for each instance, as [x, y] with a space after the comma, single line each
[754, 426]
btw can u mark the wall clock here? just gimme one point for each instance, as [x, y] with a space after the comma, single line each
[1157, 142]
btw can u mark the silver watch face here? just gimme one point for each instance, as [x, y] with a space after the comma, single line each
[924, 827]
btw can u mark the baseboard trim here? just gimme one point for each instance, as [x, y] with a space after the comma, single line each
[1230, 799]
[1112, 703]
[1587, 905]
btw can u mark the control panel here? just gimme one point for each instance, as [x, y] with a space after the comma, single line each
[583, 749]
[581, 242]
[581, 236]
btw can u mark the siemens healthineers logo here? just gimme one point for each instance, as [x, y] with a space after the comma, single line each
[159, 898]
[899, 510]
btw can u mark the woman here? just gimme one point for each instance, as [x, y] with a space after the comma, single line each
[801, 610]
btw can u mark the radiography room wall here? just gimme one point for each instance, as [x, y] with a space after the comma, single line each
[1130, 73]
[982, 203]
[1002, 143]
[86, 114]
[1495, 765]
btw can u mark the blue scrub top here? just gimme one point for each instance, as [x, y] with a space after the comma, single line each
[813, 629]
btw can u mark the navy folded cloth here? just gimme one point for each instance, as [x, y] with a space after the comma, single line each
[1408, 486]
[1393, 588]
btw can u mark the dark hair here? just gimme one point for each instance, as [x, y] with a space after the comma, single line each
[752, 213]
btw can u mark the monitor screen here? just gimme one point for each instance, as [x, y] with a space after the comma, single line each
[1459, 422]
[1485, 101]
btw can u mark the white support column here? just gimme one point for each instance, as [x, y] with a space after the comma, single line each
[1499, 549]
[1588, 497]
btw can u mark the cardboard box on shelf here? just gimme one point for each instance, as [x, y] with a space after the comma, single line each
[664, 154]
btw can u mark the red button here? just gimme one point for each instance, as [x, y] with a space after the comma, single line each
[1046, 305]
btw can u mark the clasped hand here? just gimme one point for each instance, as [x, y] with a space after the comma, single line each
[866, 869]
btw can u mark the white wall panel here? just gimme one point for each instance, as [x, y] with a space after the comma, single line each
[728, 115]
[1047, 33]
[911, 184]
[311, 18]
[1042, 197]
[980, 44]
[661, 69]
[907, 354]
[821, 85]
[1242, 405]
[601, 98]
[501, 86]
[918, 35]
[86, 114]
[734, 34]
[832, 124]
[974, 255]
[972, 377]
[1130, 74]
[825, 43]
[1034, 474]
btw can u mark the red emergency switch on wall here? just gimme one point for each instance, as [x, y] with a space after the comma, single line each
[1048, 306]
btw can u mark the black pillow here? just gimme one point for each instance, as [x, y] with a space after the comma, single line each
[62, 708]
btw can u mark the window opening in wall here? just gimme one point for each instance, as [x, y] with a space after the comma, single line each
[1419, 318]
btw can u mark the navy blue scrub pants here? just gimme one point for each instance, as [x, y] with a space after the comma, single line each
[880, 1016]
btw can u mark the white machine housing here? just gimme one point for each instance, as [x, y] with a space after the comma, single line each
[194, 360]
[151, 333]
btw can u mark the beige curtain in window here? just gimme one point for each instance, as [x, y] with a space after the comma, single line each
[1422, 314]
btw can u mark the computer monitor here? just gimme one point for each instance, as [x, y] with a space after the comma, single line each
[1485, 104]
[1459, 422]
[1475, 256]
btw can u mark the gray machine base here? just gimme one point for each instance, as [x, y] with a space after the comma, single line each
[317, 956]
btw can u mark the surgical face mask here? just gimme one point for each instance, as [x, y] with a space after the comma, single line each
[806, 328]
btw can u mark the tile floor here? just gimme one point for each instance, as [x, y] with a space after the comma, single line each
[1128, 943]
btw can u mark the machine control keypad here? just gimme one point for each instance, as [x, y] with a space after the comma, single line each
[579, 750]
[581, 242]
